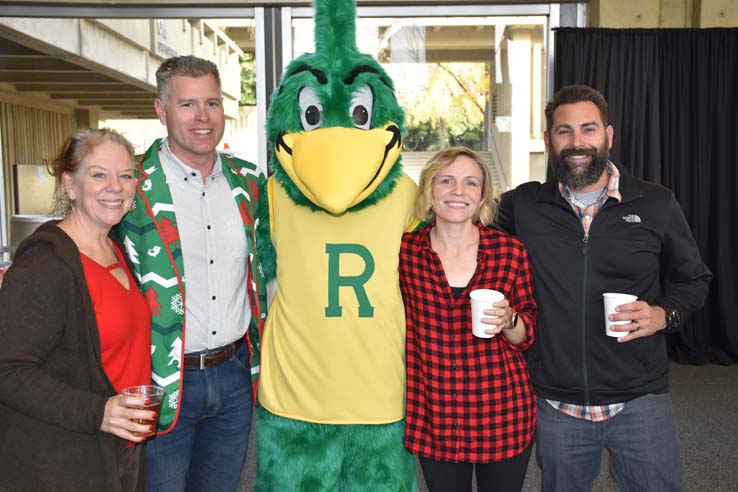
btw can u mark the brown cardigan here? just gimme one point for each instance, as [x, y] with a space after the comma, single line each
[53, 387]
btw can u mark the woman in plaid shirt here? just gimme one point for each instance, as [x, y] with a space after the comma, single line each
[469, 400]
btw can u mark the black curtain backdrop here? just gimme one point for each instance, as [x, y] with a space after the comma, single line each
[673, 99]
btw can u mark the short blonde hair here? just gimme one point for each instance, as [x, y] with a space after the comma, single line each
[424, 194]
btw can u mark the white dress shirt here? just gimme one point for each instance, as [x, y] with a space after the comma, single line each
[214, 254]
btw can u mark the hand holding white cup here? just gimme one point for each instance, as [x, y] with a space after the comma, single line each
[482, 299]
[612, 300]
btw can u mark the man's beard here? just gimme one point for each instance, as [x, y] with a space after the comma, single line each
[577, 180]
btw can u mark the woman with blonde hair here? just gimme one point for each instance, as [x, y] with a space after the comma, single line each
[470, 404]
[75, 331]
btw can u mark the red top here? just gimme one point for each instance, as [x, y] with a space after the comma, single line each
[124, 323]
[469, 399]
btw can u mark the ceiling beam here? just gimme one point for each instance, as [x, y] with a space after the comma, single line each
[108, 95]
[59, 78]
[8, 47]
[36, 63]
[138, 114]
[46, 86]
[117, 105]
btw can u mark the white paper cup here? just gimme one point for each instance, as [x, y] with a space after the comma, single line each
[482, 299]
[613, 300]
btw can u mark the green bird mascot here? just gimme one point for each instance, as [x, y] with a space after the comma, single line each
[332, 381]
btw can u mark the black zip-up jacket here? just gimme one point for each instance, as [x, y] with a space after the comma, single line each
[642, 246]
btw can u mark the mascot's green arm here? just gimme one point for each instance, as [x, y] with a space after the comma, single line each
[419, 225]
[264, 247]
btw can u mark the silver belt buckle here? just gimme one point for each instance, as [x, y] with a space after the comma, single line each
[202, 360]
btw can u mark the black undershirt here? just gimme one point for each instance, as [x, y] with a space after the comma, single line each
[456, 291]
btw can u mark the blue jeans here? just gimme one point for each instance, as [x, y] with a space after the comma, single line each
[641, 439]
[206, 450]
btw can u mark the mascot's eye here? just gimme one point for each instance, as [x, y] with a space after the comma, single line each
[361, 107]
[360, 115]
[312, 115]
[311, 110]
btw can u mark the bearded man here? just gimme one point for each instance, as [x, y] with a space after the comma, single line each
[593, 228]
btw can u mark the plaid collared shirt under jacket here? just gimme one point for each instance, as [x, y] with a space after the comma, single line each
[468, 399]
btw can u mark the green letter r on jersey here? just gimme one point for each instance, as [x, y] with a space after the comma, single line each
[336, 280]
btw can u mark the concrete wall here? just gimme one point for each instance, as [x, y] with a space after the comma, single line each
[33, 125]
[131, 50]
[718, 13]
[663, 13]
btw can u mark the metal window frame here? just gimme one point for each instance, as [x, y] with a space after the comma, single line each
[274, 35]
[125, 11]
[557, 14]
[4, 226]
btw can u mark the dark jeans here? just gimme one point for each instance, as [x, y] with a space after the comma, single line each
[500, 476]
[641, 439]
[207, 448]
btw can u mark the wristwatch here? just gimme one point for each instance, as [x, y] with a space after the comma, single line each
[672, 318]
[514, 320]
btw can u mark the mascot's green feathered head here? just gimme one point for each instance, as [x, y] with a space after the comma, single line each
[334, 123]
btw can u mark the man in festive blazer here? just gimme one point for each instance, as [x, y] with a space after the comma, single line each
[191, 239]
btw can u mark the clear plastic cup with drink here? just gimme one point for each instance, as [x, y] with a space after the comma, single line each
[152, 401]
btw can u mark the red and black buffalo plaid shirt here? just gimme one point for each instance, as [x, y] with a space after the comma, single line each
[469, 399]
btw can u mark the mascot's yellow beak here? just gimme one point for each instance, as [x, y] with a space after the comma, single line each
[337, 167]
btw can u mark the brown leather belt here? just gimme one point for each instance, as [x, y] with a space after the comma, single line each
[212, 358]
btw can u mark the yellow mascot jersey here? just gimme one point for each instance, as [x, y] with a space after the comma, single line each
[333, 350]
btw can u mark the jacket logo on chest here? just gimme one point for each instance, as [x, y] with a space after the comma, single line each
[632, 218]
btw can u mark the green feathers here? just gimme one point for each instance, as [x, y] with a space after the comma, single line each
[320, 90]
[335, 28]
